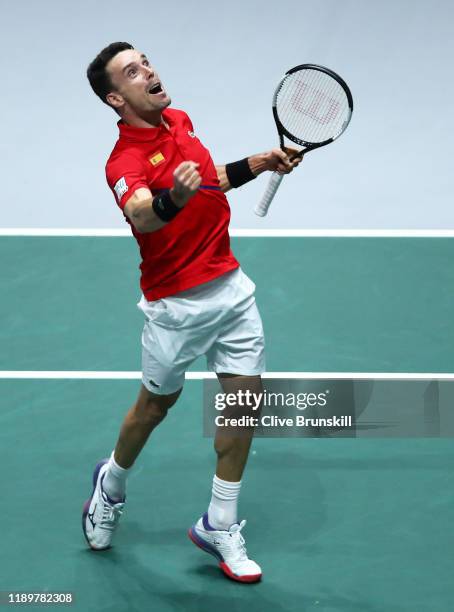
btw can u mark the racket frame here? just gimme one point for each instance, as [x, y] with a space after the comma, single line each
[309, 146]
[273, 184]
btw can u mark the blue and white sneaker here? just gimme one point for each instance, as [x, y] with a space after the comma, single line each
[100, 513]
[228, 547]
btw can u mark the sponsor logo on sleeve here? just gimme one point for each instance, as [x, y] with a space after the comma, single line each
[121, 188]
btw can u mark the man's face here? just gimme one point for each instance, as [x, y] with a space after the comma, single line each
[136, 84]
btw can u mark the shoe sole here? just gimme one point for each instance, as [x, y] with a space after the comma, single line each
[209, 548]
[88, 502]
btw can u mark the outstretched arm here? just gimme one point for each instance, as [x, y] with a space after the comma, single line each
[274, 160]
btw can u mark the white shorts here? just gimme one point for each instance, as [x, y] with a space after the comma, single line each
[218, 319]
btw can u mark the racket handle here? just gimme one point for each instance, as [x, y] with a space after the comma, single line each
[273, 185]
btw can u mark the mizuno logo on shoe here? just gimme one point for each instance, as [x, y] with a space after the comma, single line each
[90, 516]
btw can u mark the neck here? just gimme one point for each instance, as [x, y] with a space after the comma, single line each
[152, 119]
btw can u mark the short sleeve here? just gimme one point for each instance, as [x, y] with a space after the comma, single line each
[185, 120]
[125, 174]
[189, 122]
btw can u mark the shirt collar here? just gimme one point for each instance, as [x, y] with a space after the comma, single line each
[139, 134]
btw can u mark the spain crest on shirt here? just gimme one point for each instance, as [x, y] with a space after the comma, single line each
[156, 159]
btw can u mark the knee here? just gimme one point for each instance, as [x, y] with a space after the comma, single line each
[152, 409]
[151, 413]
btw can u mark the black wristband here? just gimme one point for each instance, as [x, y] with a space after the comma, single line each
[239, 172]
[164, 207]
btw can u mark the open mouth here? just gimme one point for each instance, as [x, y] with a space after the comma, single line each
[156, 89]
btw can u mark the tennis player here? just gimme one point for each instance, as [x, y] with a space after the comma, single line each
[195, 298]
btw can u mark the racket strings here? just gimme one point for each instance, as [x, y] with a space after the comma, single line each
[310, 96]
[312, 106]
[310, 109]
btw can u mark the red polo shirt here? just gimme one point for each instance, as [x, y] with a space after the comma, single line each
[194, 247]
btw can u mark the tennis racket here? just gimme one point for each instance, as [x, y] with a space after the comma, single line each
[312, 106]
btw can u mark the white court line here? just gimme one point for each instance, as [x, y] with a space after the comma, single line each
[99, 375]
[245, 233]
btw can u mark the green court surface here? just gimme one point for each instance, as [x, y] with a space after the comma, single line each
[338, 525]
[328, 304]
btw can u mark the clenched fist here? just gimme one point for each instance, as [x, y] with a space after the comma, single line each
[186, 181]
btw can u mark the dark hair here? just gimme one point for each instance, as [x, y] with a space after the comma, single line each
[96, 72]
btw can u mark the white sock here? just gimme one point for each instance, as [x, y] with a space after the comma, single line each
[114, 483]
[222, 511]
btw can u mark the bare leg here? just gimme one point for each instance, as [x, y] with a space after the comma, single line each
[232, 445]
[148, 411]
